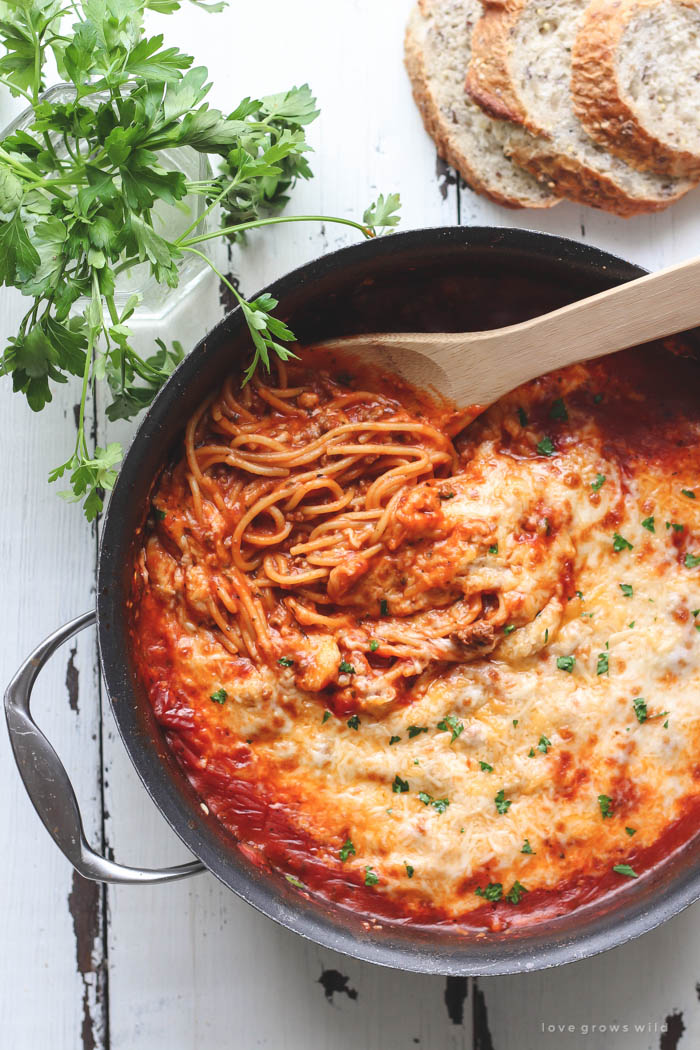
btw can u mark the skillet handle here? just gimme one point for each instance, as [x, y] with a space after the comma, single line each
[47, 783]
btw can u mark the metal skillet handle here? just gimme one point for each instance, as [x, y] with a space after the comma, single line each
[47, 782]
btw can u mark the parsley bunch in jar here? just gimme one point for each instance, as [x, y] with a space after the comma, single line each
[78, 193]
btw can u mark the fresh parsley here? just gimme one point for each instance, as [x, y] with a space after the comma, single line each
[691, 561]
[450, 724]
[515, 893]
[326, 716]
[285, 661]
[545, 447]
[566, 663]
[620, 543]
[631, 831]
[502, 803]
[346, 850]
[414, 731]
[394, 740]
[353, 722]
[606, 806]
[485, 767]
[509, 628]
[603, 665]
[371, 877]
[527, 848]
[558, 411]
[409, 869]
[346, 668]
[598, 483]
[689, 493]
[625, 869]
[648, 524]
[399, 786]
[80, 191]
[493, 549]
[220, 696]
[627, 589]
[544, 745]
[640, 709]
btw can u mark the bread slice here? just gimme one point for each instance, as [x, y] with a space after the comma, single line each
[520, 71]
[437, 55]
[635, 87]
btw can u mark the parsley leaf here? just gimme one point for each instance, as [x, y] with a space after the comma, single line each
[631, 831]
[566, 663]
[219, 697]
[527, 848]
[620, 543]
[346, 668]
[625, 869]
[371, 877]
[492, 892]
[606, 806]
[544, 745]
[689, 493]
[515, 893]
[394, 740]
[485, 767]
[627, 589]
[545, 447]
[409, 869]
[383, 213]
[414, 731]
[346, 850]
[493, 549]
[598, 483]
[640, 709]
[502, 803]
[648, 524]
[326, 716]
[399, 786]
[603, 664]
[353, 722]
[285, 661]
[450, 724]
[558, 411]
[691, 561]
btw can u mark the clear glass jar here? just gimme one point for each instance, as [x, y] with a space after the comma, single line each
[157, 300]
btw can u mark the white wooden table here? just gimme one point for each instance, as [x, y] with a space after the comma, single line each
[189, 966]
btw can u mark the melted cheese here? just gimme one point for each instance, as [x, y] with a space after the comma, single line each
[538, 533]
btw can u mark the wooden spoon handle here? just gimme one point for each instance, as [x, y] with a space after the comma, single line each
[479, 367]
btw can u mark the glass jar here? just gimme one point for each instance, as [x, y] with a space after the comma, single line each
[157, 300]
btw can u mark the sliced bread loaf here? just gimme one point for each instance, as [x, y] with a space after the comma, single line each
[520, 70]
[437, 55]
[636, 81]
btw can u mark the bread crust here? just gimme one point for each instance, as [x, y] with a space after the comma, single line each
[442, 131]
[599, 99]
[489, 83]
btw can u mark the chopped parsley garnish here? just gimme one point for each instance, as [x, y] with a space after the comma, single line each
[399, 786]
[446, 495]
[515, 723]
[438, 804]
[631, 831]
[674, 525]
[394, 740]
[485, 767]
[620, 543]
[558, 411]
[493, 892]
[295, 882]
[522, 417]
[603, 664]
[527, 848]
[546, 635]
[695, 612]
[503, 804]
[493, 549]
[509, 628]
[416, 731]
[515, 893]
[383, 607]
[627, 589]
[566, 663]
[598, 483]
[545, 447]
[691, 561]
[544, 745]
[285, 661]
[640, 709]
[648, 523]
[353, 722]
[666, 724]
[409, 869]
[450, 724]
[371, 877]
[159, 514]
[373, 645]
[531, 753]
[346, 668]
[606, 806]
[625, 869]
[346, 849]
[326, 716]
[219, 697]
[689, 493]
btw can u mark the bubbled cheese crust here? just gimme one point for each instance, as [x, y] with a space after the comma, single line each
[525, 726]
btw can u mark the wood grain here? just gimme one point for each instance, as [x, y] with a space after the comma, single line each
[189, 966]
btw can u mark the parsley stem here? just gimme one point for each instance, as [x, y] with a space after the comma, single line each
[273, 221]
[15, 87]
[195, 251]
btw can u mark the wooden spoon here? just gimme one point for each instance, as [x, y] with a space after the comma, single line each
[476, 368]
